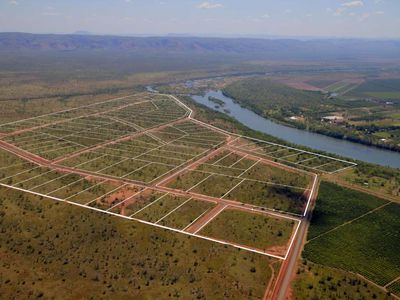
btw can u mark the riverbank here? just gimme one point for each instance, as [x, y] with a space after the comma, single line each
[312, 140]
[360, 120]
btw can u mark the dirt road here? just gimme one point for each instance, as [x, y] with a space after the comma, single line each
[289, 266]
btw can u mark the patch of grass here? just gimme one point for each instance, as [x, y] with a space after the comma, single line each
[216, 185]
[135, 204]
[269, 196]
[186, 214]
[187, 180]
[160, 208]
[375, 178]
[265, 172]
[253, 230]
[315, 281]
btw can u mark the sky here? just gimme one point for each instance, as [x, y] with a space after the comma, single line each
[294, 18]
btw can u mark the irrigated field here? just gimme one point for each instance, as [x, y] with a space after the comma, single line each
[395, 288]
[337, 205]
[363, 243]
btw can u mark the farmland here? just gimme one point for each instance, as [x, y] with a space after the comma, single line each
[394, 288]
[366, 110]
[143, 160]
[364, 231]
[337, 205]
[387, 89]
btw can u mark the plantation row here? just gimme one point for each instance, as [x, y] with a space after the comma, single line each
[368, 245]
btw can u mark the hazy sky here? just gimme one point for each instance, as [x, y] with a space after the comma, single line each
[342, 18]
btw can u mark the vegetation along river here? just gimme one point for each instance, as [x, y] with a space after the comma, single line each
[301, 137]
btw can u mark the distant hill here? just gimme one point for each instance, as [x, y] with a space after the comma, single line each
[82, 32]
[343, 49]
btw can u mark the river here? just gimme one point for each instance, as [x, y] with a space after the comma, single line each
[301, 137]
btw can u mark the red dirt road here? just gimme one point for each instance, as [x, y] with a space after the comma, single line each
[289, 265]
[207, 218]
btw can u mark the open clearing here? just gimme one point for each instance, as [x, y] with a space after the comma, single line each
[257, 230]
[144, 158]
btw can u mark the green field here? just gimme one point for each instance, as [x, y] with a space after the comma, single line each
[395, 288]
[367, 245]
[184, 215]
[269, 196]
[379, 88]
[337, 205]
[253, 230]
[160, 208]
[374, 178]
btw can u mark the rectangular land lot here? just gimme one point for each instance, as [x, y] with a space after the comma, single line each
[262, 232]
[290, 156]
[185, 214]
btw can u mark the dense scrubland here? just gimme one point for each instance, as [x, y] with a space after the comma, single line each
[53, 249]
[315, 281]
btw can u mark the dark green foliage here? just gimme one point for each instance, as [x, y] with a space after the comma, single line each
[395, 288]
[265, 96]
[336, 205]
[368, 246]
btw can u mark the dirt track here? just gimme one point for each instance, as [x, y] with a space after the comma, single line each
[204, 220]
[289, 265]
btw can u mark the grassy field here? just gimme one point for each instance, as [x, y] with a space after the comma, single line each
[252, 230]
[288, 156]
[184, 215]
[337, 205]
[315, 281]
[273, 197]
[159, 209]
[367, 245]
[89, 253]
[387, 89]
[13, 110]
[374, 178]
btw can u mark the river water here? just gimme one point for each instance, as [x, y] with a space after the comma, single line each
[301, 137]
